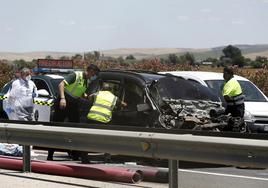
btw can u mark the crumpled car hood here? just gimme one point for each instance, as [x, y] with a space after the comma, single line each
[199, 109]
[189, 113]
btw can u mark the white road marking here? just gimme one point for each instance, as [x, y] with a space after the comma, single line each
[225, 175]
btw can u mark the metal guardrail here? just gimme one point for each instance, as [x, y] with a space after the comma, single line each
[137, 128]
[218, 150]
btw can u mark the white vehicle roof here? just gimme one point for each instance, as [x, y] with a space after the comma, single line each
[202, 75]
[54, 76]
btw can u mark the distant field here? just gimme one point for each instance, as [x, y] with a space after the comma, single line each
[253, 55]
[250, 51]
[29, 56]
[140, 53]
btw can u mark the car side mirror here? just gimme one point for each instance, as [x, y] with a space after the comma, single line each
[43, 93]
[143, 107]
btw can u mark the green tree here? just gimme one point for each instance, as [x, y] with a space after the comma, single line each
[97, 55]
[77, 57]
[261, 59]
[187, 58]
[130, 57]
[260, 62]
[64, 58]
[239, 60]
[120, 59]
[19, 64]
[6, 72]
[231, 51]
[256, 64]
[210, 59]
[190, 59]
[233, 54]
[173, 59]
[48, 57]
[248, 62]
[89, 56]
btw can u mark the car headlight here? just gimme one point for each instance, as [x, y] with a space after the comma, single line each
[248, 116]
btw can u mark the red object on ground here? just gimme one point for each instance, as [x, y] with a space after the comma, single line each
[96, 172]
[151, 174]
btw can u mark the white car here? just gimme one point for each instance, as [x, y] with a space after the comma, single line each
[47, 89]
[256, 103]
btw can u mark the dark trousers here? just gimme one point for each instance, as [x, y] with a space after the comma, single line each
[70, 113]
[236, 110]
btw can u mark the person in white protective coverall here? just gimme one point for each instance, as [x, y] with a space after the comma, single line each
[20, 106]
[21, 94]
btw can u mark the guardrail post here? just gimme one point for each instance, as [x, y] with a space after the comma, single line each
[26, 158]
[173, 173]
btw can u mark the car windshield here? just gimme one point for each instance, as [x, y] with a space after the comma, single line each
[179, 88]
[252, 94]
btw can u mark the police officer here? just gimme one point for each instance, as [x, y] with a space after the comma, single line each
[104, 103]
[101, 111]
[233, 95]
[71, 89]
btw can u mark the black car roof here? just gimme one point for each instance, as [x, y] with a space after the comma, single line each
[147, 76]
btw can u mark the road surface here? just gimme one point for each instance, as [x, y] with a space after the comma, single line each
[194, 177]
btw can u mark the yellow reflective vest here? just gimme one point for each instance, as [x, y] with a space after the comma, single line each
[77, 88]
[103, 106]
[233, 90]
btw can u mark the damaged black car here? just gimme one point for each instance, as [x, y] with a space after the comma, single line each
[166, 101]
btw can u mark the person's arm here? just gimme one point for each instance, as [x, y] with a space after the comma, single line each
[62, 95]
[123, 104]
[89, 96]
[226, 91]
[13, 91]
[68, 80]
[92, 96]
[120, 103]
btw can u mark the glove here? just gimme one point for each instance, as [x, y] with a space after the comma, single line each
[8, 110]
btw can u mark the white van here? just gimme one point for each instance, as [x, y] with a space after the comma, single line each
[256, 103]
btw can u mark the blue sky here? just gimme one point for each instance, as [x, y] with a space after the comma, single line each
[85, 25]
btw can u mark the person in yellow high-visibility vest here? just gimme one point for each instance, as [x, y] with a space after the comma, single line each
[233, 95]
[104, 103]
[101, 111]
[71, 90]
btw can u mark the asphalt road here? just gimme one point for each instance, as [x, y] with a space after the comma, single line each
[193, 177]
[223, 177]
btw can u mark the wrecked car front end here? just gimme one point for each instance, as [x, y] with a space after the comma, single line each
[187, 104]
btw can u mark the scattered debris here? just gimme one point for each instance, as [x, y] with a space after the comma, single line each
[198, 115]
[10, 149]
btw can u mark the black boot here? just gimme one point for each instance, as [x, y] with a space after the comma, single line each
[50, 154]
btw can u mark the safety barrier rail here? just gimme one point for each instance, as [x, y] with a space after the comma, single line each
[218, 150]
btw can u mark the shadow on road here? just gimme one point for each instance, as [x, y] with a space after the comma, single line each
[19, 175]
